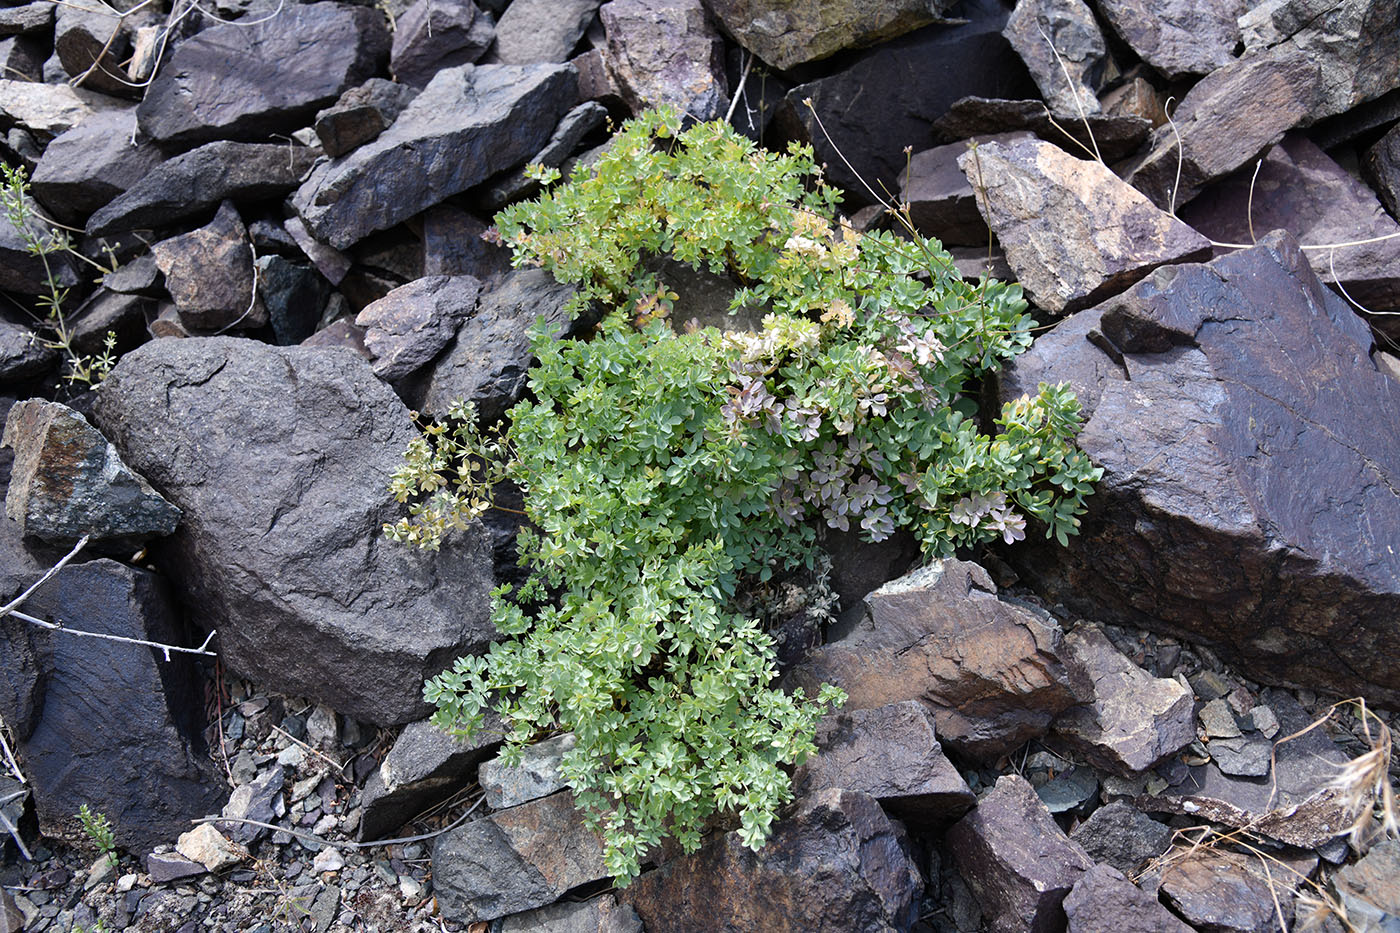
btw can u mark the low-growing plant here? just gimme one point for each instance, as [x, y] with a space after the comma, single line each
[99, 830]
[666, 472]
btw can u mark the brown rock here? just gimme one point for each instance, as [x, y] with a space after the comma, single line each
[941, 201]
[666, 52]
[1370, 888]
[1382, 169]
[407, 328]
[361, 114]
[1104, 900]
[1064, 51]
[1116, 136]
[783, 33]
[1179, 38]
[209, 273]
[1227, 892]
[1072, 230]
[1135, 98]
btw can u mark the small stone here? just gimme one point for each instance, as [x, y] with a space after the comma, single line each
[361, 114]
[209, 273]
[1263, 719]
[409, 327]
[206, 845]
[1121, 835]
[1105, 900]
[531, 31]
[1231, 892]
[164, 867]
[536, 776]
[291, 757]
[1245, 756]
[1069, 791]
[1218, 721]
[328, 859]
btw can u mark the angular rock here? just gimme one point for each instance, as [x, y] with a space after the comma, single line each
[188, 185]
[47, 110]
[784, 34]
[438, 34]
[1116, 136]
[1064, 51]
[1072, 230]
[453, 244]
[259, 799]
[407, 328]
[1105, 900]
[424, 767]
[941, 201]
[1016, 860]
[280, 458]
[330, 262]
[1225, 514]
[294, 294]
[1135, 98]
[165, 867]
[597, 915]
[91, 40]
[1179, 38]
[23, 56]
[11, 917]
[989, 670]
[209, 273]
[1227, 892]
[1134, 719]
[207, 846]
[91, 164]
[23, 355]
[31, 17]
[536, 776]
[1120, 835]
[109, 314]
[361, 114]
[288, 67]
[1382, 169]
[837, 864]
[1219, 721]
[1300, 189]
[532, 31]
[666, 52]
[469, 123]
[1245, 756]
[489, 362]
[340, 333]
[24, 272]
[888, 98]
[515, 860]
[892, 754]
[21, 679]
[1370, 888]
[514, 185]
[68, 482]
[140, 276]
[1069, 792]
[141, 761]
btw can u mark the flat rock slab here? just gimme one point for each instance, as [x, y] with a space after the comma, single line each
[1103, 899]
[537, 775]
[47, 110]
[838, 864]
[407, 328]
[1179, 38]
[237, 81]
[1072, 230]
[1229, 892]
[1061, 44]
[1016, 860]
[665, 52]
[989, 670]
[1248, 497]
[424, 767]
[468, 123]
[91, 164]
[280, 458]
[784, 34]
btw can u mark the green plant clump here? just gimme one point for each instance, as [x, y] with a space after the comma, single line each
[99, 829]
[665, 473]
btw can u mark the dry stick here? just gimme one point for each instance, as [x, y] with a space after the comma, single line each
[345, 845]
[1180, 154]
[1078, 104]
[1249, 205]
[743, 80]
[10, 756]
[338, 766]
[18, 601]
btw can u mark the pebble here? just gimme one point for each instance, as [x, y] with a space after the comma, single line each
[291, 757]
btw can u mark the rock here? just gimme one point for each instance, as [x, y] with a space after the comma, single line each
[209, 273]
[1115, 136]
[31, 17]
[783, 34]
[1382, 169]
[407, 328]
[1227, 892]
[207, 846]
[532, 31]
[288, 67]
[330, 262]
[164, 867]
[666, 52]
[24, 272]
[1226, 120]
[424, 767]
[123, 316]
[941, 201]
[361, 114]
[1370, 888]
[1074, 232]
[23, 56]
[837, 864]
[1070, 791]
[47, 110]
[1224, 515]
[989, 670]
[453, 244]
[1245, 756]
[23, 354]
[328, 860]
[1016, 860]
[139, 276]
[515, 860]
[69, 482]
[598, 915]
[1135, 98]
[889, 96]
[438, 34]
[340, 333]
[513, 185]
[140, 761]
[1179, 38]
[536, 776]
[1218, 720]
[892, 754]
[294, 295]
[1134, 719]
[1064, 51]
[469, 123]
[1300, 189]
[22, 683]
[258, 799]
[489, 362]
[91, 164]
[280, 458]
[1120, 835]
[91, 41]
[1105, 900]
[188, 185]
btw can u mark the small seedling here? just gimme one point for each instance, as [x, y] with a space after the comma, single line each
[99, 830]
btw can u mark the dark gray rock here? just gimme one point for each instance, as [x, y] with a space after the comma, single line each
[22, 57]
[666, 52]
[1064, 51]
[361, 114]
[1120, 835]
[24, 355]
[469, 123]
[532, 31]
[1382, 169]
[209, 273]
[294, 295]
[424, 767]
[91, 164]
[513, 185]
[1226, 515]
[287, 66]
[118, 726]
[340, 333]
[22, 271]
[1016, 860]
[537, 774]
[123, 316]
[139, 276]
[489, 362]
[280, 458]
[1179, 38]
[407, 328]
[514, 860]
[454, 244]
[1104, 900]
[1114, 136]
[21, 677]
[31, 17]
[1370, 888]
[67, 482]
[1072, 230]
[188, 185]
[329, 261]
[784, 35]
[837, 864]
[596, 915]
[941, 201]
[165, 867]
[46, 110]
[892, 754]
[438, 34]
[990, 670]
[1244, 756]
[260, 800]
[1229, 892]
[1069, 792]
[92, 40]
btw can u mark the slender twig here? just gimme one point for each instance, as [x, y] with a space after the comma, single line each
[309, 837]
[743, 79]
[18, 601]
[338, 766]
[13, 830]
[1078, 104]
[10, 756]
[1249, 205]
[1180, 154]
[165, 649]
